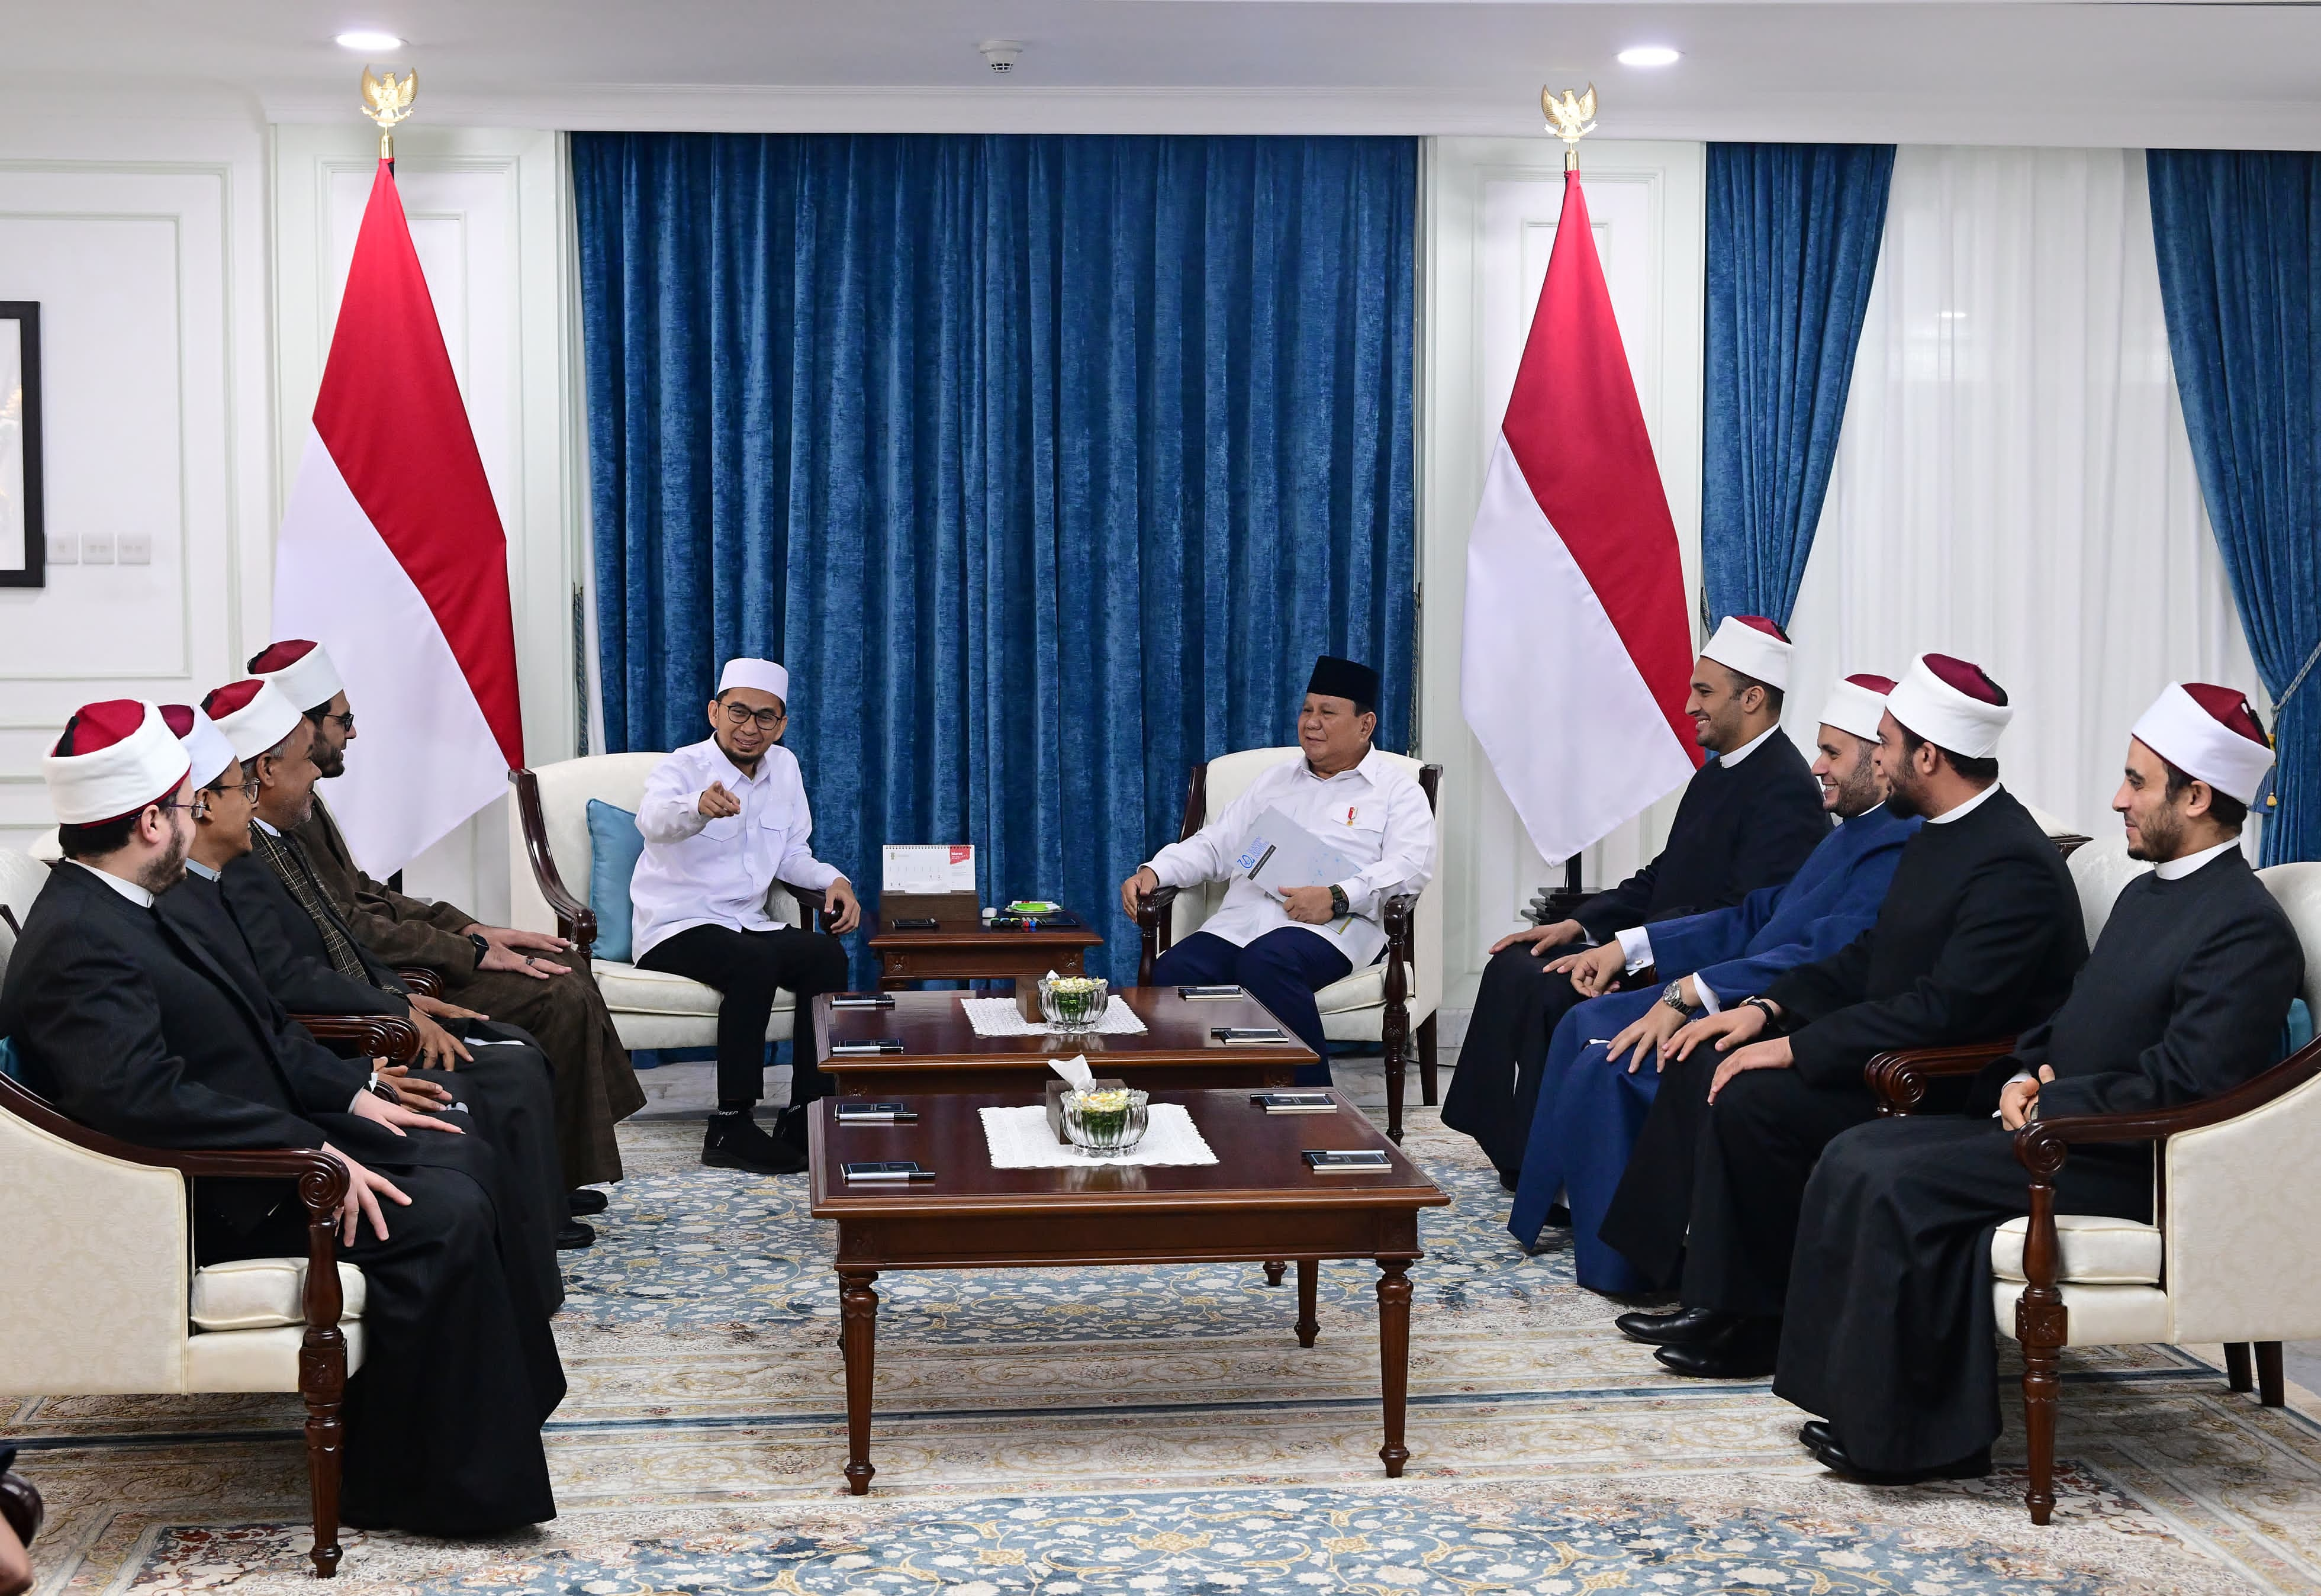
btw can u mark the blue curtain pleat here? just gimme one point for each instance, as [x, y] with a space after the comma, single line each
[1047, 465]
[2239, 240]
[1793, 239]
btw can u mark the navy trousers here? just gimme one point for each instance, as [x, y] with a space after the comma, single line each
[1282, 970]
[1591, 1112]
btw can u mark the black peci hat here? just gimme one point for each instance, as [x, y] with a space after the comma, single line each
[1335, 678]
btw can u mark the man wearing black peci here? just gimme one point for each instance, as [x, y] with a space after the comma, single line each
[1888, 1329]
[1748, 817]
[134, 1029]
[1978, 936]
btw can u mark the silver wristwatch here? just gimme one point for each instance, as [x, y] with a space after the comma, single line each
[1673, 995]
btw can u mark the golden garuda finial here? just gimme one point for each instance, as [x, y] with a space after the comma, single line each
[1571, 117]
[387, 102]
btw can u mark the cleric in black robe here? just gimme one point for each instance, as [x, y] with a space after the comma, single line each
[134, 1029]
[310, 962]
[1978, 936]
[1748, 819]
[505, 1098]
[1889, 1332]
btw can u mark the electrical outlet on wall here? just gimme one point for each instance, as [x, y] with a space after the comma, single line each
[96, 548]
[62, 548]
[136, 548]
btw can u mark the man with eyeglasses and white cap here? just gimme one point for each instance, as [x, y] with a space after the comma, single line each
[1748, 817]
[1978, 936]
[1888, 1333]
[724, 821]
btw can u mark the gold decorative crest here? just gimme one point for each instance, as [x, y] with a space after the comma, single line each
[1571, 117]
[387, 101]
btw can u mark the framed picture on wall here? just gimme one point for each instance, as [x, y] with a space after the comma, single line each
[23, 561]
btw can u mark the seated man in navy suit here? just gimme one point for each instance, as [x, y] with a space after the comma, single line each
[1595, 1091]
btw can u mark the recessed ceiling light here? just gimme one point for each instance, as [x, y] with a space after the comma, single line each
[378, 44]
[1649, 55]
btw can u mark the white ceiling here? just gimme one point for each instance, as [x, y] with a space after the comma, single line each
[2215, 74]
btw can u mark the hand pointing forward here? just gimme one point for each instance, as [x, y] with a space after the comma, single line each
[716, 803]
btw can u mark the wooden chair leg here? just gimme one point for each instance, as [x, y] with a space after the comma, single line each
[2237, 1366]
[2042, 1325]
[323, 1382]
[1426, 1046]
[1275, 1270]
[2271, 1384]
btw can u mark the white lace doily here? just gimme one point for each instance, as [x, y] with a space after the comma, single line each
[1020, 1139]
[999, 1017]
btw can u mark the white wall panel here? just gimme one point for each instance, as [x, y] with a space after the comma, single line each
[1492, 207]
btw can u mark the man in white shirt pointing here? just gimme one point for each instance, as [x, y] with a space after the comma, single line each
[724, 820]
[1283, 950]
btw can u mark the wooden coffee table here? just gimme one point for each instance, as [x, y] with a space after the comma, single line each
[942, 1053]
[981, 953]
[1258, 1201]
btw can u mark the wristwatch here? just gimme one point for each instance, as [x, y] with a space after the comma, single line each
[1673, 995]
[1338, 906]
[483, 948]
[1772, 1018]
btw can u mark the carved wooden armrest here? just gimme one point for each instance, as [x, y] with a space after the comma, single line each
[1152, 929]
[1898, 1080]
[815, 904]
[20, 1505]
[576, 922]
[390, 1036]
[420, 979]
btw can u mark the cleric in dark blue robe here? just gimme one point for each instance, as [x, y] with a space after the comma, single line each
[1602, 1070]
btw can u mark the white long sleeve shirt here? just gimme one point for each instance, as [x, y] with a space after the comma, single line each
[698, 871]
[1375, 814]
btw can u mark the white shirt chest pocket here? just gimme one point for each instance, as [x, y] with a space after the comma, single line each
[724, 829]
[771, 835]
[1361, 837]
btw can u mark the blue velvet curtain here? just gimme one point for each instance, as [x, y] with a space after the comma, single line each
[2239, 237]
[1793, 236]
[1047, 465]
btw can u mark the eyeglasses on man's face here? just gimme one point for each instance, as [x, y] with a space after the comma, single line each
[346, 722]
[248, 789]
[741, 715]
[199, 808]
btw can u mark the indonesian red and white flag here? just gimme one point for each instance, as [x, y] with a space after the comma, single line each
[393, 558]
[1577, 657]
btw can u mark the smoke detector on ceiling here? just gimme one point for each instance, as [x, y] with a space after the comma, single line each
[1000, 54]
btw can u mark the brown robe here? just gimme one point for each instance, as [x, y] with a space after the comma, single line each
[595, 1088]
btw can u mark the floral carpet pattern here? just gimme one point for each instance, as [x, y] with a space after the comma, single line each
[1061, 1433]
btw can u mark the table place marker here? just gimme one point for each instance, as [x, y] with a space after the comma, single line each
[1344, 1160]
[887, 1169]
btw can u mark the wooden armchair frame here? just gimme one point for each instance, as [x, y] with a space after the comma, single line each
[2041, 1322]
[321, 1183]
[1398, 916]
[576, 922]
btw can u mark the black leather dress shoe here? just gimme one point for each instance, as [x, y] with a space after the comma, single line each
[734, 1142]
[1745, 1351]
[572, 1235]
[1813, 1434]
[1686, 1327]
[584, 1200]
[1831, 1456]
[1559, 1216]
[1510, 1179]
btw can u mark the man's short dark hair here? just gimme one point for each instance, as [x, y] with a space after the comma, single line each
[95, 841]
[1985, 770]
[319, 711]
[1773, 695]
[1362, 708]
[2224, 808]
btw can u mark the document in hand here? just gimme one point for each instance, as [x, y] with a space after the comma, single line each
[1280, 854]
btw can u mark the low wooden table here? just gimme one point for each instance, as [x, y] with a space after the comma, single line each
[980, 954]
[942, 1053]
[1259, 1201]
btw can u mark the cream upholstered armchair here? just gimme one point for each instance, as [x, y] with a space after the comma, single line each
[2231, 1253]
[105, 1298]
[549, 847]
[1383, 1003]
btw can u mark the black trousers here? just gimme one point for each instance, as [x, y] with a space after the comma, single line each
[459, 1368]
[510, 1091]
[1888, 1333]
[749, 967]
[1494, 1089]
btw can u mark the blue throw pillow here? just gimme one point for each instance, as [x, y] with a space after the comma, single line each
[2296, 1030]
[613, 844]
[8, 1066]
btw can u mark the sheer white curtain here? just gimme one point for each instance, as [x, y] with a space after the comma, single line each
[2013, 483]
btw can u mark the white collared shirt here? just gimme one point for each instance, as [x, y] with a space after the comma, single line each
[1375, 814]
[1748, 748]
[120, 884]
[1960, 811]
[698, 871]
[2176, 869]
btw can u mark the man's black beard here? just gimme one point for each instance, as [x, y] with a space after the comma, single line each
[2158, 841]
[1903, 801]
[1859, 796]
[333, 763]
[160, 875]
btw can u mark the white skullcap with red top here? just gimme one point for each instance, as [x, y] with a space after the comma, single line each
[205, 745]
[1951, 703]
[2211, 734]
[302, 670]
[1754, 646]
[1856, 704]
[115, 758]
[254, 716]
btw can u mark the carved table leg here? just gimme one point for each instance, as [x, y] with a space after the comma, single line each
[1274, 1270]
[1309, 1273]
[858, 1307]
[1394, 1357]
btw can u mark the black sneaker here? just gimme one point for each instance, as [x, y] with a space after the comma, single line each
[734, 1142]
[790, 1129]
